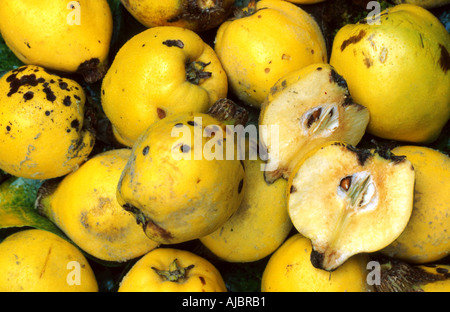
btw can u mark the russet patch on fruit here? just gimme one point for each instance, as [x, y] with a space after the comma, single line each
[349, 201]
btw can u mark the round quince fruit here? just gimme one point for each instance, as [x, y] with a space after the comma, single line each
[39, 261]
[398, 67]
[196, 15]
[42, 133]
[84, 206]
[179, 182]
[289, 269]
[426, 238]
[67, 36]
[261, 223]
[161, 71]
[270, 40]
[172, 270]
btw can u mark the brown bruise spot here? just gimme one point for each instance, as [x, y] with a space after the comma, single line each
[158, 231]
[267, 70]
[174, 43]
[353, 39]
[161, 113]
[91, 70]
[444, 60]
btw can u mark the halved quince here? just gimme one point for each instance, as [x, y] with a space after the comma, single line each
[309, 107]
[349, 201]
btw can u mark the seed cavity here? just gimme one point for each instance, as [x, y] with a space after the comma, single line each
[359, 190]
[319, 120]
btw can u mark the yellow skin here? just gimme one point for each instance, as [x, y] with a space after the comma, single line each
[192, 14]
[257, 50]
[400, 71]
[428, 4]
[201, 277]
[442, 272]
[305, 1]
[425, 238]
[49, 34]
[259, 226]
[290, 270]
[84, 206]
[41, 122]
[175, 196]
[40, 261]
[147, 80]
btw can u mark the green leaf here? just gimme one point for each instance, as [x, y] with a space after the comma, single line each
[17, 198]
[8, 61]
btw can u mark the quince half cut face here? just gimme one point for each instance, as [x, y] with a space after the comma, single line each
[309, 107]
[349, 201]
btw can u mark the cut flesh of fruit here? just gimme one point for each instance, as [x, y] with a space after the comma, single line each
[349, 201]
[309, 107]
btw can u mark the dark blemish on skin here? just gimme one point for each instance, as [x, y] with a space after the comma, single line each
[161, 113]
[316, 259]
[47, 113]
[185, 148]
[28, 96]
[75, 124]
[293, 189]
[49, 94]
[353, 39]
[28, 45]
[319, 68]
[67, 101]
[8, 128]
[362, 154]
[178, 125]
[63, 85]
[174, 43]
[145, 150]
[77, 97]
[444, 60]
[338, 79]
[241, 185]
[202, 280]
[191, 123]
[26, 80]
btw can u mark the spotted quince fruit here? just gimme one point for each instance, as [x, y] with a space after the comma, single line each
[42, 133]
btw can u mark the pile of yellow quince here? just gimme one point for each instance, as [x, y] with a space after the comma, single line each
[256, 145]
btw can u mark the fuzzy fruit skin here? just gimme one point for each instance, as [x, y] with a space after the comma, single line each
[177, 192]
[38, 261]
[85, 208]
[39, 32]
[425, 238]
[202, 277]
[257, 50]
[259, 226]
[195, 15]
[41, 122]
[290, 270]
[147, 80]
[400, 71]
